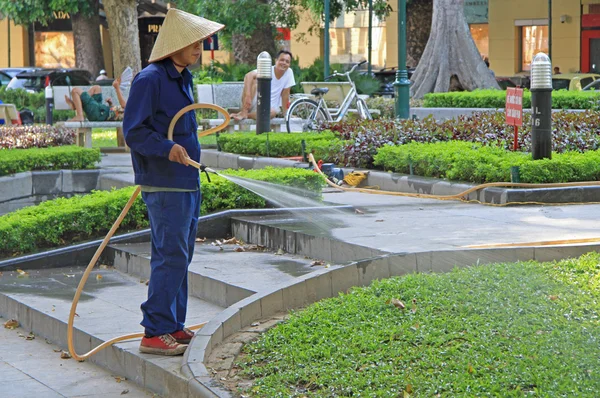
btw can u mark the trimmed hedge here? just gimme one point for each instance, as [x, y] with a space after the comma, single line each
[280, 144]
[562, 99]
[62, 222]
[52, 158]
[468, 161]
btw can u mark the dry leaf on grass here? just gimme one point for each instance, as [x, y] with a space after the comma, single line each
[553, 297]
[396, 303]
[11, 324]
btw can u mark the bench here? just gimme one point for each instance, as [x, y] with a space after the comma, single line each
[228, 95]
[83, 130]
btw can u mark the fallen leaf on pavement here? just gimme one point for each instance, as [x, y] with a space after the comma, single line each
[359, 211]
[98, 277]
[104, 266]
[317, 262]
[239, 249]
[119, 379]
[30, 336]
[232, 241]
[255, 324]
[22, 274]
[280, 252]
[11, 324]
[200, 239]
[124, 392]
[65, 355]
[57, 350]
[379, 220]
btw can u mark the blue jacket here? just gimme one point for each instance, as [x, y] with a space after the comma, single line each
[157, 93]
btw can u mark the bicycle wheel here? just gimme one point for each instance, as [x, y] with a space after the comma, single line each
[304, 115]
[363, 110]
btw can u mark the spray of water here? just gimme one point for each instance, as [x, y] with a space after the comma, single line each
[302, 203]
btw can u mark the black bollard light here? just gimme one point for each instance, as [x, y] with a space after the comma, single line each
[263, 93]
[541, 107]
[49, 103]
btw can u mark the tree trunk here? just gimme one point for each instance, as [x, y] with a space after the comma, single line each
[450, 51]
[418, 27]
[122, 20]
[246, 49]
[88, 45]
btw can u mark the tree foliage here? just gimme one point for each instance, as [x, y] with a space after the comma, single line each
[242, 16]
[24, 12]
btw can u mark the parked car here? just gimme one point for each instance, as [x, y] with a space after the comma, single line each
[513, 81]
[595, 85]
[573, 81]
[37, 80]
[12, 72]
[4, 79]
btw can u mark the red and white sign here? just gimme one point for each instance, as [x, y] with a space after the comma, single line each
[514, 106]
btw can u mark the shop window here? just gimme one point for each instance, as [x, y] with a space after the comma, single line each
[481, 37]
[534, 39]
[54, 49]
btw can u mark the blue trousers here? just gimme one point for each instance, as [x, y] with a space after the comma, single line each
[173, 222]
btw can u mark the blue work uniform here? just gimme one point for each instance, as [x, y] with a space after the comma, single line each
[170, 190]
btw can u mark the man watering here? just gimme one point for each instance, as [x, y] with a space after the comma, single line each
[170, 189]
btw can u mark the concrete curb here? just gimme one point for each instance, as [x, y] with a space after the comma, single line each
[32, 187]
[330, 282]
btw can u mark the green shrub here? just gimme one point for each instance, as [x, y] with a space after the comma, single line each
[22, 99]
[386, 106]
[572, 131]
[469, 161]
[562, 99]
[64, 221]
[53, 158]
[279, 144]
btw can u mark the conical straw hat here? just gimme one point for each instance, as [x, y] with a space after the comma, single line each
[179, 30]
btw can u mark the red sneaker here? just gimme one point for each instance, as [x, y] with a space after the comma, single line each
[183, 336]
[162, 345]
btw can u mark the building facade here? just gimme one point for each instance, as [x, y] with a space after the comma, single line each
[507, 32]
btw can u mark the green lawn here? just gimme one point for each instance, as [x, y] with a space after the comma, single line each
[503, 330]
[104, 138]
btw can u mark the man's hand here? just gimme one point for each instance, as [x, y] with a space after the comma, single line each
[178, 154]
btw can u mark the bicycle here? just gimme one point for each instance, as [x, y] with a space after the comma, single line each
[309, 113]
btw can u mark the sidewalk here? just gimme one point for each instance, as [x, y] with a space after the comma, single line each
[34, 368]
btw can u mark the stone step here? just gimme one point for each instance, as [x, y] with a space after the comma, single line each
[109, 307]
[299, 235]
[218, 274]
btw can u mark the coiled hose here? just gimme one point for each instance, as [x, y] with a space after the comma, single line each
[114, 228]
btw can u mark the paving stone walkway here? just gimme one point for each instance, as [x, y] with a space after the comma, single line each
[31, 367]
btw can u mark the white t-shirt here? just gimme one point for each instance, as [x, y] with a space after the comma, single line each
[278, 85]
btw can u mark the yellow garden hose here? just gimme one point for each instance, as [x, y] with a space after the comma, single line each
[114, 228]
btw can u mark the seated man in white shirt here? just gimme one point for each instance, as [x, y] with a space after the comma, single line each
[281, 83]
